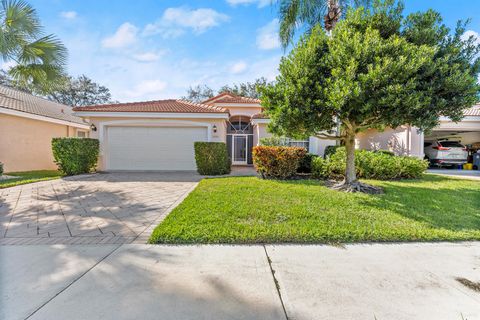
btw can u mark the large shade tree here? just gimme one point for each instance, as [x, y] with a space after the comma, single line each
[377, 69]
[38, 59]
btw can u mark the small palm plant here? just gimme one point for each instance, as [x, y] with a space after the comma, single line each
[39, 60]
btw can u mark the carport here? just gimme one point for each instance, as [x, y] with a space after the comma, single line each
[467, 131]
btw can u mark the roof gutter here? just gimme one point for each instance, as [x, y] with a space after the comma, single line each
[32, 116]
[163, 115]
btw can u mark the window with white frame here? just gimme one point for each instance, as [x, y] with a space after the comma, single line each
[81, 134]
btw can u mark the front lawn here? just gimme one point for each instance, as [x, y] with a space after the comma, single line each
[251, 210]
[29, 177]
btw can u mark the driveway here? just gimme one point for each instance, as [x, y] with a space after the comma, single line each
[135, 281]
[97, 209]
[464, 174]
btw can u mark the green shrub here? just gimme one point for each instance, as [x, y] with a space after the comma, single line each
[1, 168]
[273, 141]
[75, 155]
[370, 165]
[305, 165]
[277, 162]
[320, 168]
[387, 152]
[212, 158]
[329, 150]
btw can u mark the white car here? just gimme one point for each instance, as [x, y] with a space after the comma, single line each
[445, 153]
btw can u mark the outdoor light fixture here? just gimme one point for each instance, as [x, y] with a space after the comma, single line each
[92, 127]
[214, 129]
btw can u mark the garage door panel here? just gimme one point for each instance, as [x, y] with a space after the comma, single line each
[153, 148]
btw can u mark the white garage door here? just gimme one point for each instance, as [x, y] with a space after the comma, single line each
[152, 148]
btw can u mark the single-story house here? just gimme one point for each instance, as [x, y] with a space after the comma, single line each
[27, 126]
[159, 135]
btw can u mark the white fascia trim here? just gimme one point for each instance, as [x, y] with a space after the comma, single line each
[465, 119]
[257, 121]
[42, 118]
[246, 105]
[158, 115]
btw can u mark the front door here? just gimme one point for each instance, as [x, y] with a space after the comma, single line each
[239, 149]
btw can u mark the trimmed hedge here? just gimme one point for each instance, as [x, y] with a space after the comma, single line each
[369, 165]
[212, 158]
[277, 162]
[75, 155]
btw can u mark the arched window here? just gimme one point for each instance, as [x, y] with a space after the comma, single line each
[239, 125]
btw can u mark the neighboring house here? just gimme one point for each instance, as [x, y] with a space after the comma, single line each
[159, 135]
[406, 140]
[27, 126]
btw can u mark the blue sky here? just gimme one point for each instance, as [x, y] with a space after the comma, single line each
[156, 49]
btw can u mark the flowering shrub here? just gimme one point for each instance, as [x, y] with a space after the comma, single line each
[277, 162]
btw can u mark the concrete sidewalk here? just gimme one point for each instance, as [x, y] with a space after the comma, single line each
[377, 281]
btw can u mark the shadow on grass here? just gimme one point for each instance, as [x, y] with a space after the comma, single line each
[440, 202]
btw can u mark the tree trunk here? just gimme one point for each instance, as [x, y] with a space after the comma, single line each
[350, 173]
[333, 14]
[350, 183]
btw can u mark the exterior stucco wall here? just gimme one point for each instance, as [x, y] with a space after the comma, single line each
[403, 140]
[218, 136]
[318, 146]
[244, 111]
[25, 144]
[260, 131]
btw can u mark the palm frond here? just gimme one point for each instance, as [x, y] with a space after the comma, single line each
[43, 77]
[20, 17]
[48, 50]
[295, 14]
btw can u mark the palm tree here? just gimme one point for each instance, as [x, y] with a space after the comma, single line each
[39, 60]
[296, 13]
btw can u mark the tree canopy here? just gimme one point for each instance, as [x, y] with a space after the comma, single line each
[38, 59]
[377, 69]
[245, 89]
[80, 91]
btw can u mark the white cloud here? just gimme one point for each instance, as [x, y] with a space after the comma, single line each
[70, 15]
[125, 35]
[238, 67]
[260, 3]
[470, 33]
[175, 21]
[146, 88]
[147, 56]
[267, 36]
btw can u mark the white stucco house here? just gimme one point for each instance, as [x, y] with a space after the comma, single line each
[159, 135]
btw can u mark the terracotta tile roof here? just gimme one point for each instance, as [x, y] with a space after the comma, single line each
[162, 106]
[473, 111]
[227, 97]
[21, 101]
[260, 116]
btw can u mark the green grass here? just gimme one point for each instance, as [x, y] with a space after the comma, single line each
[251, 210]
[29, 177]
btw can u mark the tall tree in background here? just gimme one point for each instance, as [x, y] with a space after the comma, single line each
[80, 91]
[295, 14]
[199, 93]
[377, 69]
[39, 59]
[244, 89]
